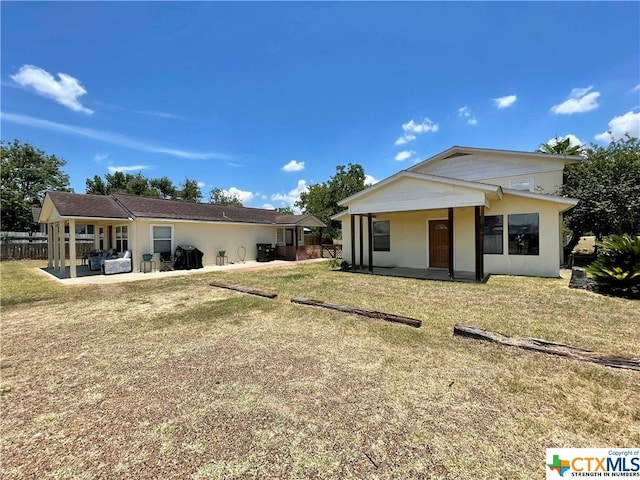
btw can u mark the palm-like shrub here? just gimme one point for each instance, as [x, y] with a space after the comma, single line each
[617, 268]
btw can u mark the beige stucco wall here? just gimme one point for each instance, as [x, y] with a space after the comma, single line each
[210, 238]
[409, 239]
[547, 263]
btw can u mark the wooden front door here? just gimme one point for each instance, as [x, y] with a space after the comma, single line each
[438, 243]
[288, 237]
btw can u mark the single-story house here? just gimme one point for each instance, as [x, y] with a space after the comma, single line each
[154, 225]
[473, 210]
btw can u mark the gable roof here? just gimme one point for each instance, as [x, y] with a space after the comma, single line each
[125, 206]
[493, 190]
[86, 206]
[457, 151]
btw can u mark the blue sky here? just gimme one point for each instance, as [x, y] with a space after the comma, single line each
[263, 99]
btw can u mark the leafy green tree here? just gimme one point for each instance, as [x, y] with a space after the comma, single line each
[560, 147]
[217, 196]
[26, 174]
[607, 183]
[138, 184]
[96, 186]
[163, 187]
[321, 199]
[285, 210]
[190, 191]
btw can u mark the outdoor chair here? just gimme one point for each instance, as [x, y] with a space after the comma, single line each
[96, 261]
[166, 261]
[118, 265]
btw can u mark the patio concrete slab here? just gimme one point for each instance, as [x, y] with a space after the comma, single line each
[87, 277]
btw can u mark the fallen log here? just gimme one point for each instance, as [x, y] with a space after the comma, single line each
[240, 288]
[389, 317]
[545, 346]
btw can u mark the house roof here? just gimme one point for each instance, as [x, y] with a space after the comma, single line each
[457, 151]
[123, 206]
[86, 206]
[565, 201]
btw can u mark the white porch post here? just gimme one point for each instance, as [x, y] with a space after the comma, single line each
[133, 246]
[50, 245]
[96, 237]
[55, 246]
[72, 248]
[62, 252]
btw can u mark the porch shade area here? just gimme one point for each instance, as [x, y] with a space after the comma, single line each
[447, 240]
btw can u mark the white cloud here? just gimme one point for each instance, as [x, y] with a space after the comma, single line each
[293, 166]
[506, 101]
[629, 123]
[289, 199]
[464, 112]
[425, 126]
[580, 100]
[107, 137]
[65, 91]
[242, 195]
[636, 88]
[98, 157]
[406, 138]
[573, 140]
[201, 184]
[370, 180]
[268, 206]
[131, 168]
[403, 155]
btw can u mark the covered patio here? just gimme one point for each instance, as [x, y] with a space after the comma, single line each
[424, 274]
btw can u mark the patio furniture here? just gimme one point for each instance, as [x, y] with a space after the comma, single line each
[147, 263]
[166, 261]
[96, 261]
[118, 265]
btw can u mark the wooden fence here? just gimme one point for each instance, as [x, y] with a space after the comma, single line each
[37, 251]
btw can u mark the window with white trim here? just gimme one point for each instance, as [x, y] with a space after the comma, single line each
[122, 238]
[162, 238]
[280, 236]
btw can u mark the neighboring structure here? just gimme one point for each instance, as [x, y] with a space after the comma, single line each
[466, 210]
[153, 225]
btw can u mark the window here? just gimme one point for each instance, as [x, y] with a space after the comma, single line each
[162, 236]
[524, 234]
[280, 236]
[381, 236]
[122, 238]
[526, 184]
[82, 229]
[493, 230]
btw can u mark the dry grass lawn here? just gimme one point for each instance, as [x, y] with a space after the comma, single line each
[175, 379]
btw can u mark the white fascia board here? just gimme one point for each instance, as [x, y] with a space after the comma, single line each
[339, 216]
[208, 222]
[542, 196]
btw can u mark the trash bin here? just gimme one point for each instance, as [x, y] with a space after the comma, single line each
[271, 253]
[262, 252]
